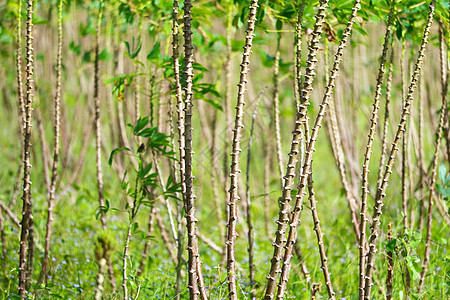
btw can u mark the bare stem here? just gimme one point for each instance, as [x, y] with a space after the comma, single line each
[57, 126]
[368, 153]
[236, 141]
[306, 171]
[288, 179]
[276, 109]
[381, 192]
[26, 197]
[195, 286]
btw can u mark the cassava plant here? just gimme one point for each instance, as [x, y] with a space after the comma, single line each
[298, 53]
[421, 153]
[276, 102]
[19, 68]
[228, 69]
[98, 130]
[306, 171]
[236, 141]
[368, 153]
[27, 214]
[98, 133]
[288, 179]
[180, 126]
[381, 191]
[141, 191]
[194, 263]
[57, 129]
[163, 217]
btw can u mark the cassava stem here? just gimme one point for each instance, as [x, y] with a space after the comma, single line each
[19, 69]
[26, 197]
[194, 264]
[368, 153]
[381, 192]
[298, 54]
[98, 133]
[338, 151]
[276, 109]
[236, 141]
[57, 126]
[180, 127]
[306, 171]
[288, 179]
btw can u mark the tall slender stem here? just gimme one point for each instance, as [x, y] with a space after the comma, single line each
[368, 153]
[57, 130]
[194, 264]
[180, 127]
[236, 141]
[298, 54]
[26, 197]
[276, 109]
[288, 179]
[381, 192]
[306, 171]
[98, 130]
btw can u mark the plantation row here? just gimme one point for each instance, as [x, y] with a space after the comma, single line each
[138, 179]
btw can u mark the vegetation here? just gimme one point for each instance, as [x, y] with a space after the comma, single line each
[120, 140]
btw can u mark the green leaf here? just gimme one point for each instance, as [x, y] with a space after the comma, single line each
[110, 80]
[147, 132]
[141, 123]
[154, 53]
[415, 240]
[147, 203]
[117, 150]
[412, 269]
[213, 104]
[144, 171]
[399, 31]
[266, 59]
[87, 57]
[134, 49]
[124, 183]
[390, 245]
[443, 173]
[279, 25]
[360, 29]
[199, 67]
[75, 48]
[104, 55]
[134, 228]
[443, 190]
